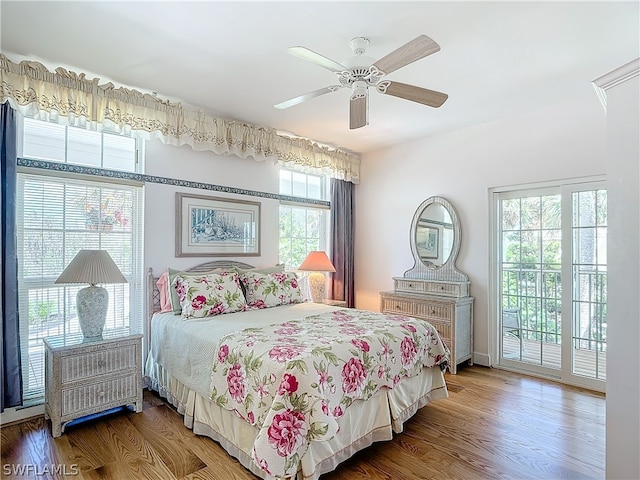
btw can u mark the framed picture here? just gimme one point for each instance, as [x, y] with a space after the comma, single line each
[427, 240]
[216, 227]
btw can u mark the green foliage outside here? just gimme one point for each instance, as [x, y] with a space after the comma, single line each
[531, 266]
[535, 287]
[299, 234]
[41, 311]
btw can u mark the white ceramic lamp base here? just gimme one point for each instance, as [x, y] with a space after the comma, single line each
[317, 283]
[92, 303]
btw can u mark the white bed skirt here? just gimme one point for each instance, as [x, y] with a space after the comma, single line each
[363, 423]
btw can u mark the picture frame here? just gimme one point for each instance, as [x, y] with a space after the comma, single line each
[216, 227]
[427, 241]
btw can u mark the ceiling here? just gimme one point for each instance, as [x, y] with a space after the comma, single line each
[497, 59]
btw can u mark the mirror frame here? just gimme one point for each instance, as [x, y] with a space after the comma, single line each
[426, 270]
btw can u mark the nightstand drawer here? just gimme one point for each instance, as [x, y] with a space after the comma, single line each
[99, 362]
[97, 395]
[435, 310]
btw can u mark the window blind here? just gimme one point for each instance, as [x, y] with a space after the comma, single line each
[58, 217]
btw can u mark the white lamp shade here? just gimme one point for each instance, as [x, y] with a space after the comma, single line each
[92, 267]
[317, 262]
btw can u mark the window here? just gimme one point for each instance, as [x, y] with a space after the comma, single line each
[57, 217]
[552, 280]
[58, 143]
[303, 227]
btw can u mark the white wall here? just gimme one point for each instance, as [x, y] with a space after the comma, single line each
[623, 352]
[565, 141]
[183, 163]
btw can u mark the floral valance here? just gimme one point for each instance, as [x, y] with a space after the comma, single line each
[72, 98]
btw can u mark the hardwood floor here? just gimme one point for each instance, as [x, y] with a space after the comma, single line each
[494, 425]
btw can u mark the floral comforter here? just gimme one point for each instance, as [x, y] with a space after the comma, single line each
[293, 380]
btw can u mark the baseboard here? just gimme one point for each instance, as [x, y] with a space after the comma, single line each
[18, 415]
[481, 359]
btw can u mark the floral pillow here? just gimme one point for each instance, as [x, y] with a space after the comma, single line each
[209, 294]
[276, 268]
[173, 296]
[271, 289]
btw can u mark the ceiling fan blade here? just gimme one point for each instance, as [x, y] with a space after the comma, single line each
[313, 57]
[358, 112]
[413, 93]
[414, 50]
[307, 96]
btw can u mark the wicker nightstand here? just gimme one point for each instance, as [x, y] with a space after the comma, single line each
[335, 303]
[86, 378]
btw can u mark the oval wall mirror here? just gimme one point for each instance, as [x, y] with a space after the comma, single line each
[435, 240]
[434, 235]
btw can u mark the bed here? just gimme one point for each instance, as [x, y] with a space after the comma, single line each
[321, 392]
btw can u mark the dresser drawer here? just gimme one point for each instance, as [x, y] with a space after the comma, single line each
[99, 362]
[399, 306]
[431, 287]
[409, 286]
[442, 312]
[447, 289]
[444, 329]
[96, 395]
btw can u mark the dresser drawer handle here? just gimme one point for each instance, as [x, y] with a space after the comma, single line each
[102, 363]
[442, 287]
[101, 393]
[433, 312]
[411, 285]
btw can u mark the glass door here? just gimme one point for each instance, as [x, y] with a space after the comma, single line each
[551, 278]
[588, 302]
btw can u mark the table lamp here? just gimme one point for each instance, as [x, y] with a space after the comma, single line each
[92, 302]
[317, 262]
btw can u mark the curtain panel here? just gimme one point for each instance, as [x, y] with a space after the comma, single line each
[68, 97]
[11, 371]
[342, 284]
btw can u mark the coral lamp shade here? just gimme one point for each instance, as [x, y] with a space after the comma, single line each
[317, 262]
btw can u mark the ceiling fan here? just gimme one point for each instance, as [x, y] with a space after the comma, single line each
[360, 72]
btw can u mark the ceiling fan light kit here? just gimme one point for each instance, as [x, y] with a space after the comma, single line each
[359, 76]
[359, 45]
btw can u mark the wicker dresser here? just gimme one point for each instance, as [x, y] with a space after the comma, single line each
[87, 378]
[434, 289]
[445, 305]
